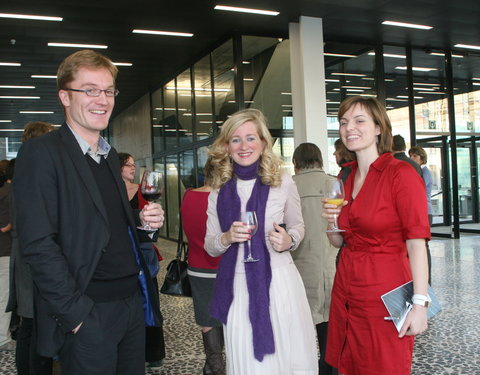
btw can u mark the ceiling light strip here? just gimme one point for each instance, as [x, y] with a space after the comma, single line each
[35, 112]
[30, 17]
[18, 97]
[43, 76]
[406, 24]
[247, 10]
[16, 87]
[160, 32]
[467, 46]
[75, 45]
[10, 64]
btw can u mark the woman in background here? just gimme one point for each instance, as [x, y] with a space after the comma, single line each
[419, 155]
[154, 340]
[384, 218]
[202, 270]
[268, 328]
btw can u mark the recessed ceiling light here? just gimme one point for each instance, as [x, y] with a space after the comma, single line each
[286, 93]
[467, 46]
[43, 76]
[356, 87]
[416, 68]
[19, 97]
[332, 80]
[333, 102]
[393, 55]
[159, 32]
[396, 100]
[426, 84]
[338, 54]
[122, 64]
[349, 74]
[406, 97]
[36, 112]
[432, 93]
[248, 79]
[442, 54]
[9, 64]
[75, 45]
[476, 83]
[5, 120]
[247, 10]
[409, 25]
[423, 88]
[16, 87]
[30, 17]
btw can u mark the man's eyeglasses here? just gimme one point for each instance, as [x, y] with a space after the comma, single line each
[129, 165]
[97, 92]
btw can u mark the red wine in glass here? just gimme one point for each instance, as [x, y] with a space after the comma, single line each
[151, 188]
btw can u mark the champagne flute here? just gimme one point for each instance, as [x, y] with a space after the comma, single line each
[249, 219]
[335, 194]
[151, 188]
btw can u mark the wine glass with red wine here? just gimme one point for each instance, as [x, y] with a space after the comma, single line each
[151, 188]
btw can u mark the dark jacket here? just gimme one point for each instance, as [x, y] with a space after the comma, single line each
[404, 157]
[63, 230]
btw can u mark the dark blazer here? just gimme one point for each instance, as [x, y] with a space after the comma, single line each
[63, 230]
[402, 156]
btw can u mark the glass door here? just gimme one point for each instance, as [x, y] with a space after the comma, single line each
[437, 150]
[468, 190]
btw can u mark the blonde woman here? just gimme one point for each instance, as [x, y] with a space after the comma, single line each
[267, 323]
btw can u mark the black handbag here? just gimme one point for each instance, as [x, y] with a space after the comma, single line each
[176, 281]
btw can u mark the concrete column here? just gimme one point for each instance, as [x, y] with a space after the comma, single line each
[308, 83]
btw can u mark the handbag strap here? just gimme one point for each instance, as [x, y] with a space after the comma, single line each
[182, 247]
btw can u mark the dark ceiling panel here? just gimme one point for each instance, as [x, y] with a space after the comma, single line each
[157, 59]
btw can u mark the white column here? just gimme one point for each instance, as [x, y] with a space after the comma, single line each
[308, 83]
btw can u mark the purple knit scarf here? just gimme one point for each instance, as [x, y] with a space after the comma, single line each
[258, 274]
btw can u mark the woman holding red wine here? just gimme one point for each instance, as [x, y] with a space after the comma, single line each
[259, 295]
[154, 340]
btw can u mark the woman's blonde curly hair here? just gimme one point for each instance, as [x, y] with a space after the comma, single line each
[270, 169]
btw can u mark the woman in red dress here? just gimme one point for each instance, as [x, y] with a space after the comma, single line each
[383, 246]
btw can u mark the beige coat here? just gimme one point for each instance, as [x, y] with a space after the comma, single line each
[315, 257]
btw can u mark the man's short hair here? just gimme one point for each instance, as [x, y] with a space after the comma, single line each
[82, 59]
[398, 143]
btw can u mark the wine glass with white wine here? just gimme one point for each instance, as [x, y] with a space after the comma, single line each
[335, 194]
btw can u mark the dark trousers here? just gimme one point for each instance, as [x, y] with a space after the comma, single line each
[323, 367]
[154, 340]
[111, 341]
[27, 360]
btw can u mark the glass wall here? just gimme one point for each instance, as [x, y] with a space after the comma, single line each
[187, 111]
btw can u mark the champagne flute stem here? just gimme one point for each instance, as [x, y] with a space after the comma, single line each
[335, 224]
[249, 249]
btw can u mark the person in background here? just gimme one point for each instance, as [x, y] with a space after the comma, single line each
[202, 269]
[3, 168]
[341, 153]
[27, 359]
[399, 147]
[154, 338]
[76, 229]
[315, 257]
[385, 223]
[262, 304]
[419, 156]
[6, 342]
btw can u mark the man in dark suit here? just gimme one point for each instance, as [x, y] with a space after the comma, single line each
[78, 233]
[399, 147]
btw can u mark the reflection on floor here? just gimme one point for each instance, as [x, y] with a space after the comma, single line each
[450, 346]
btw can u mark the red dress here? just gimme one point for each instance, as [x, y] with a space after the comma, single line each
[389, 209]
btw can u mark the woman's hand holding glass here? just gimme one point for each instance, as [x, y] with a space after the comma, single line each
[331, 212]
[153, 215]
[238, 232]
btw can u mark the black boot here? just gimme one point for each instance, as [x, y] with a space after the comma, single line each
[213, 344]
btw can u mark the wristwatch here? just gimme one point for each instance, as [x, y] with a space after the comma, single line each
[294, 243]
[420, 299]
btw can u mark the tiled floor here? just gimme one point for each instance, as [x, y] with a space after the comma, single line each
[450, 346]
